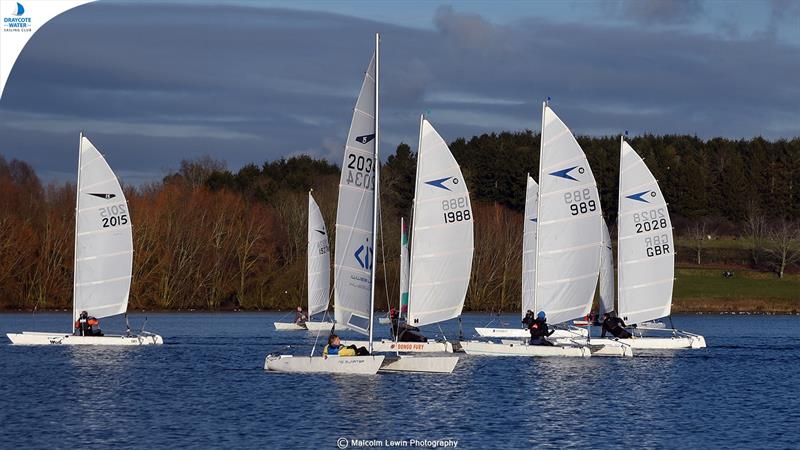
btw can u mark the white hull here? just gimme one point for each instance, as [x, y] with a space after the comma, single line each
[422, 364]
[388, 345]
[522, 349]
[611, 348]
[525, 334]
[37, 338]
[319, 326]
[658, 343]
[288, 326]
[356, 365]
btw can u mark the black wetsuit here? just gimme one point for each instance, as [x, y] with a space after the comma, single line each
[407, 332]
[616, 327]
[528, 320]
[539, 330]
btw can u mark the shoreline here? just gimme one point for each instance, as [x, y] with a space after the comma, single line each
[676, 311]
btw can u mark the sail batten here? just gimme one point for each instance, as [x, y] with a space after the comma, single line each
[646, 251]
[568, 226]
[103, 258]
[442, 234]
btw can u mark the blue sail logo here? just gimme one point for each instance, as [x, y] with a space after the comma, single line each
[20, 10]
[363, 255]
[439, 183]
[639, 196]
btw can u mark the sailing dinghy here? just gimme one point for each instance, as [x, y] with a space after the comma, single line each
[103, 255]
[318, 273]
[567, 244]
[646, 257]
[441, 245]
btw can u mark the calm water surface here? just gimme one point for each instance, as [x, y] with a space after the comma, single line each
[206, 387]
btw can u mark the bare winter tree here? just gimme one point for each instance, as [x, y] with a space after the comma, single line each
[783, 245]
[755, 229]
[698, 233]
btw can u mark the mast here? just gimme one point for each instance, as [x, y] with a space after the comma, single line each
[375, 188]
[400, 308]
[619, 209]
[538, 214]
[75, 237]
[414, 217]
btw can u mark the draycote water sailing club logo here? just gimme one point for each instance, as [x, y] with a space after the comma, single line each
[17, 22]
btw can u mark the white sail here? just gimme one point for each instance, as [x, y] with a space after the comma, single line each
[354, 215]
[319, 260]
[529, 246]
[606, 273]
[442, 236]
[403, 268]
[646, 250]
[569, 230]
[103, 239]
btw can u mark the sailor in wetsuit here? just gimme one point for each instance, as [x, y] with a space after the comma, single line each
[539, 330]
[615, 326]
[407, 332]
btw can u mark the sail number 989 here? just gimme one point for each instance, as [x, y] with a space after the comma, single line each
[580, 202]
[456, 210]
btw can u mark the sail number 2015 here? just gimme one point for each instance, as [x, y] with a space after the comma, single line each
[580, 202]
[456, 210]
[112, 216]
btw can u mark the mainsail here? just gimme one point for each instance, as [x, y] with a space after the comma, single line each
[354, 253]
[319, 260]
[645, 248]
[442, 235]
[606, 273]
[568, 227]
[103, 238]
[403, 268]
[529, 246]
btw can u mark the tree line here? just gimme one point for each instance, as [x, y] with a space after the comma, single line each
[206, 237]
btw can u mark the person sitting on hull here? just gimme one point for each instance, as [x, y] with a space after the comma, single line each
[300, 317]
[335, 347]
[539, 330]
[87, 325]
[407, 333]
[614, 325]
[527, 321]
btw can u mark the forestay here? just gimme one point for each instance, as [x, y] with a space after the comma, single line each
[606, 273]
[529, 246]
[319, 262]
[103, 239]
[442, 236]
[569, 230]
[646, 251]
[354, 247]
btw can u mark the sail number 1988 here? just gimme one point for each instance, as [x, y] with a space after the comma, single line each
[456, 210]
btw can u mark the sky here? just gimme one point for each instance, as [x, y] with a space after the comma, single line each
[153, 83]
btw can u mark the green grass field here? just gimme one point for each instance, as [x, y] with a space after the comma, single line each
[705, 290]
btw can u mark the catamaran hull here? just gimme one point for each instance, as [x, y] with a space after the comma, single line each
[523, 333]
[613, 348]
[319, 326]
[37, 338]
[288, 326]
[421, 364]
[658, 343]
[355, 365]
[522, 349]
[387, 345]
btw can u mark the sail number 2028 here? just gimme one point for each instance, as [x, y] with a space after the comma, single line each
[580, 202]
[112, 216]
[456, 210]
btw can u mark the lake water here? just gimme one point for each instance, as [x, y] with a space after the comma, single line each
[206, 387]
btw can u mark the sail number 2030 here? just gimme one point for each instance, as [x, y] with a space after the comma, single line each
[111, 216]
[580, 202]
[456, 210]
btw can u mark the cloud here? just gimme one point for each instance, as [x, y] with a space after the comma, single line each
[253, 84]
[662, 11]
